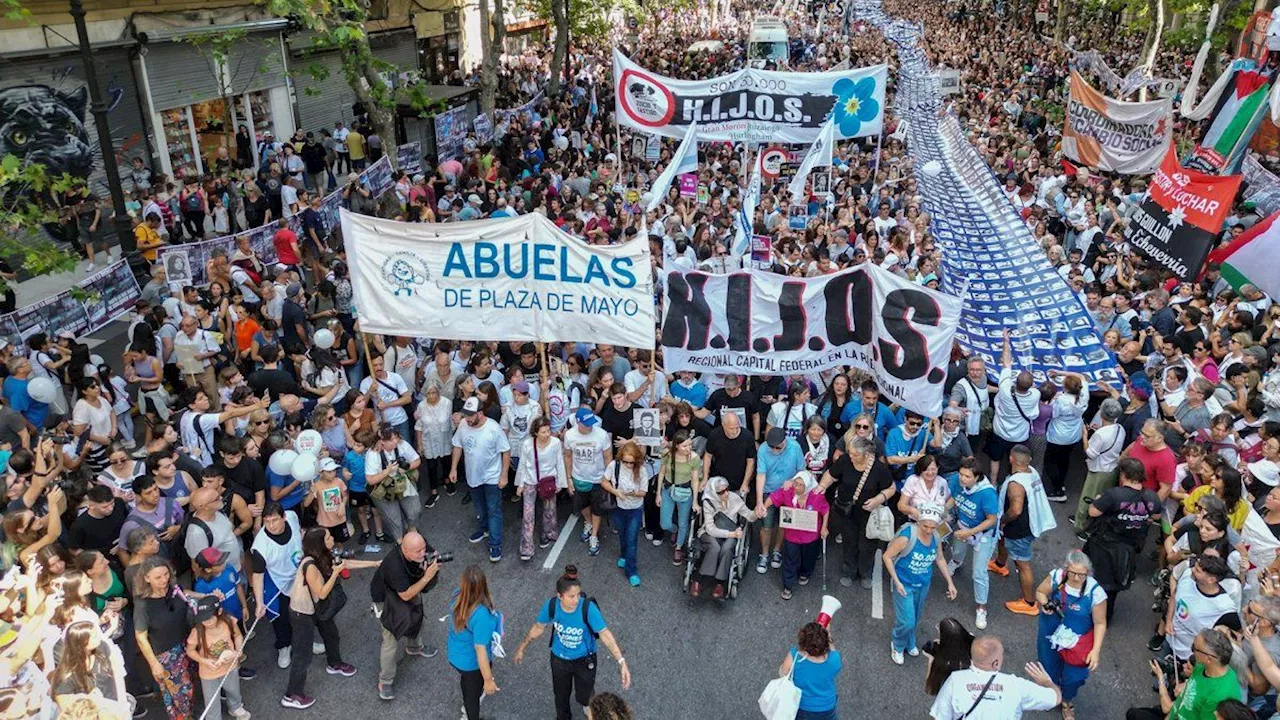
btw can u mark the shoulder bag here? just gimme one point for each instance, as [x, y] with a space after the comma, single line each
[393, 486]
[978, 699]
[986, 420]
[546, 483]
[781, 698]
[604, 501]
[880, 522]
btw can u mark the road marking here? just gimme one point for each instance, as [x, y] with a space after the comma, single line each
[877, 588]
[565, 533]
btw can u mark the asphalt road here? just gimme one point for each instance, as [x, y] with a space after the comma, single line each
[689, 659]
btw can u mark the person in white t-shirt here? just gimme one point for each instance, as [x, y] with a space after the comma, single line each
[983, 692]
[588, 450]
[393, 396]
[517, 419]
[488, 456]
[197, 424]
[645, 383]
[389, 456]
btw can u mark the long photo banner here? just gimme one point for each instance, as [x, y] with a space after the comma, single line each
[767, 324]
[755, 106]
[519, 278]
[377, 177]
[107, 294]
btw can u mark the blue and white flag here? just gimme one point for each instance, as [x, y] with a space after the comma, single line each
[747, 212]
[684, 161]
[819, 155]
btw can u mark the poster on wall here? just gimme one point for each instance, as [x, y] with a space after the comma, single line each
[111, 292]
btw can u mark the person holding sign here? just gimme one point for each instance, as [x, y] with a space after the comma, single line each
[803, 513]
[907, 560]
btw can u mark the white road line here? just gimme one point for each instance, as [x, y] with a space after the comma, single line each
[565, 533]
[877, 588]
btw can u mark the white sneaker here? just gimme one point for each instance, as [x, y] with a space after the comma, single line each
[282, 658]
[980, 619]
[240, 713]
[953, 566]
[914, 652]
[896, 655]
[317, 648]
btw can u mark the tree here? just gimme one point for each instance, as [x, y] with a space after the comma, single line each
[25, 208]
[1060, 27]
[493, 36]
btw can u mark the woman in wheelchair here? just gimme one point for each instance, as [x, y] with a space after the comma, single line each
[723, 512]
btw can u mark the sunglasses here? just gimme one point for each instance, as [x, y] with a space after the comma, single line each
[862, 426]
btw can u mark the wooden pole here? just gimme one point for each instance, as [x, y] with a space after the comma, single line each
[373, 377]
[653, 378]
[544, 397]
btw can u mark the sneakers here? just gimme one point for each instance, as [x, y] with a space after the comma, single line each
[840, 539]
[804, 580]
[343, 669]
[775, 561]
[622, 563]
[525, 558]
[422, 651]
[762, 566]
[952, 567]
[717, 592]
[1001, 570]
[585, 535]
[866, 583]
[695, 589]
[282, 658]
[545, 543]
[648, 535]
[677, 557]
[786, 593]
[1059, 498]
[495, 555]
[139, 711]
[386, 692]
[914, 652]
[634, 580]
[382, 537]
[451, 490]
[431, 501]
[297, 702]
[593, 546]
[317, 648]
[246, 673]
[1022, 607]
[240, 713]
[846, 581]
[363, 539]
[896, 655]
[980, 619]
[477, 536]
[1155, 643]
[466, 499]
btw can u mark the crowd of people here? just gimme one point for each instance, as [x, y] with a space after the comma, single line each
[161, 513]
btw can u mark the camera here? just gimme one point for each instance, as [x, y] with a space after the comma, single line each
[1052, 606]
[440, 557]
[1168, 664]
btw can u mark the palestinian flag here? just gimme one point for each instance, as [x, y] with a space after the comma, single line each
[1240, 109]
[1250, 259]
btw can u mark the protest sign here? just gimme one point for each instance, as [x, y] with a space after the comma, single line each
[451, 131]
[409, 158]
[751, 105]
[1113, 135]
[1183, 212]
[483, 127]
[519, 278]
[688, 185]
[762, 251]
[767, 324]
[948, 81]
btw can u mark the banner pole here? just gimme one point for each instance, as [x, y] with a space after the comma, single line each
[653, 368]
[373, 386]
[546, 374]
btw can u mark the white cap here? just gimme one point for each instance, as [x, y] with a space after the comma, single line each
[1267, 472]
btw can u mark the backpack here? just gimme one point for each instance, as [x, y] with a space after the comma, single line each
[218, 432]
[191, 203]
[582, 606]
[190, 520]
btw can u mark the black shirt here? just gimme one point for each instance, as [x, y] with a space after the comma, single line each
[729, 456]
[166, 621]
[255, 211]
[246, 479]
[719, 403]
[101, 534]
[1126, 513]
[396, 574]
[699, 428]
[274, 381]
[11, 424]
[766, 388]
[618, 422]
[291, 316]
[847, 478]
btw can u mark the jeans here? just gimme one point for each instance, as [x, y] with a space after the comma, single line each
[798, 561]
[906, 615]
[671, 506]
[572, 677]
[982, 552]
[231, 686]
[628, 524]
[488, 503]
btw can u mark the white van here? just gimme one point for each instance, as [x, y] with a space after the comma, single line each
[767, 41]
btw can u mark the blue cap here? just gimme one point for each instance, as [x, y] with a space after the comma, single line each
[584, 416]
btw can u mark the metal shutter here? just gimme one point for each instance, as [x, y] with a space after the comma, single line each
[256, 63]
[321, 103]
[400, 49]
[178, 74]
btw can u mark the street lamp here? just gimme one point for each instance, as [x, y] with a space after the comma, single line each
[98, 106]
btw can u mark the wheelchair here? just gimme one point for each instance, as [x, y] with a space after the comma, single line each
[694, 552]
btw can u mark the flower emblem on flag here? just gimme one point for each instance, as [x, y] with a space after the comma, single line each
[854, 104]
[403, 271]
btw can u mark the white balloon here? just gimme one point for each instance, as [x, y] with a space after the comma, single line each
[281, 462]
[323, 338]
[305, 468]
[42, 389]
[308, 442]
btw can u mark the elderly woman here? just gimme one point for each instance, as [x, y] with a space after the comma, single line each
[435, 435]
[1102, 448]
[914, 549]
[1073, 624]
[801, 547]
[925, 487]
[949, 446]
[719, 534]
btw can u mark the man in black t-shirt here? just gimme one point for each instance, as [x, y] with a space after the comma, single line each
[851, 504]
[1119, 521]
[396, 590]
[730, 453]
[733, 399]
[98, 527]
[271, 379]
[618, 414]
[243, 475]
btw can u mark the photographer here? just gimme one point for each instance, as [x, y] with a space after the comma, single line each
[356, 195]
[396, 591]
[1073, 625]
[1210, 682]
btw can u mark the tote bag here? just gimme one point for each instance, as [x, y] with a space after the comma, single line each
[781, 698]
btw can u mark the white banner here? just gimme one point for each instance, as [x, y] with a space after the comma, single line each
[754, 106]
[518, 278]
[1113, 135]
[767, 324]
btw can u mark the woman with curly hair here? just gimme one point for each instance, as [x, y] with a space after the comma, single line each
[813, 666]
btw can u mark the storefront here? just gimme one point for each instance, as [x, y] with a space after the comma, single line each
[197, 104]
[440, 44]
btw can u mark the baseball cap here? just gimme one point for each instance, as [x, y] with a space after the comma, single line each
[474, 199]
[206, 608]
[584, 416]
[210, 557]
[776, 438]
[1267, 472]
[293, 289]
[521, 386]
[328, 465]
[470, 407]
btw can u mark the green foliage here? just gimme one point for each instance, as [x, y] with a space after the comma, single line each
[13, 10]
[23, 185]
[591, 19]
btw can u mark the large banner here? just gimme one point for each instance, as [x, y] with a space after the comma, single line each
[753, 106]
[767, 324]
[1113, 135]
[103, 297]
[519, 278]
[1184, 210]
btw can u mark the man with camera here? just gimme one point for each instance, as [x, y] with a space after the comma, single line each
[1208, 683]
[396, 591]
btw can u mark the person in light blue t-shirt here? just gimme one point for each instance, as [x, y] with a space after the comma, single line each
[813, 665]
[473, 621]
[576, 623]
[777, 461]
[977, 507]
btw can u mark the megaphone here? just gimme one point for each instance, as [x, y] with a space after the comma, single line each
[829, 607]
